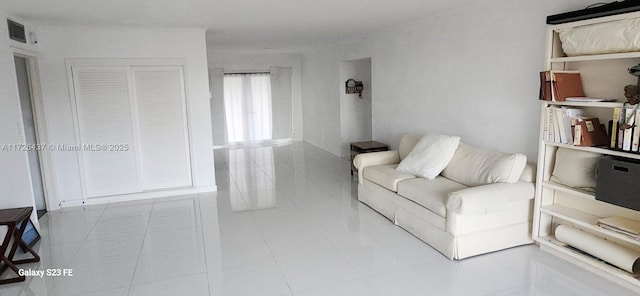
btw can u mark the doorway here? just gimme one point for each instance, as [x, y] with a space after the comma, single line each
[25, 86]
[355, 109]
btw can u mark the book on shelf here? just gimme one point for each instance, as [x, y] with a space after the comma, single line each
[621, 225]
[588, 99]
[552, 124]
[545, 86]
[565, 84]
[577, 135]
[613, 143]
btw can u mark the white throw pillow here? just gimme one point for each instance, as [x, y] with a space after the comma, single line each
[575, 168]
[430, 156]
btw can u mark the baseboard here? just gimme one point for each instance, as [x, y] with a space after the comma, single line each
[263, 143]
[137, 196]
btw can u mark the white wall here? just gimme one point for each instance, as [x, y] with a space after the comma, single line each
[471, 72]
[60, 43]
[355, 111]
[262, 62]
[15, 180]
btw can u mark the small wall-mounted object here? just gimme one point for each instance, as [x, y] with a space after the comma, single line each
[354, 87]
[33, 38]
[16, 31]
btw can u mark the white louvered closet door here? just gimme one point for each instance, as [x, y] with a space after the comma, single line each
[163, 135]
[103, 102]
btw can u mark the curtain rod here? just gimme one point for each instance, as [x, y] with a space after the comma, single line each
[246, 73]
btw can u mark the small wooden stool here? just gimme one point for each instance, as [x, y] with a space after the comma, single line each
[16, 221]
[365, 147]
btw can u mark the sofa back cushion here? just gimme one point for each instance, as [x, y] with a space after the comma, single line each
[407, 142]
[473, 166]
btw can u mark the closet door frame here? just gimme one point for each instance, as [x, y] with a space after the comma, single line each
[69, 63]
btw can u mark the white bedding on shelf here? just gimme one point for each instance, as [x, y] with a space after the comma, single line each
[610, 37]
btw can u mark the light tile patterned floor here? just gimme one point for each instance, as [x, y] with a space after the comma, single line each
[285, 221]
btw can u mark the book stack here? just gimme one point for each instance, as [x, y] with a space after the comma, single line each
[557, 86]
[621, 225]
[624, 130]
[567, 125]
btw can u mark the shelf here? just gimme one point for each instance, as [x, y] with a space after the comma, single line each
[603, 76]
[586, 104]
[584, 220]
[570, 190]
[596, 150]
[596, 57]
[552, 244]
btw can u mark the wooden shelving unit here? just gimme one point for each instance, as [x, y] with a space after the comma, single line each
[604, 75]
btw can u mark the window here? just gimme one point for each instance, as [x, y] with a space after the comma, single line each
[247, 101]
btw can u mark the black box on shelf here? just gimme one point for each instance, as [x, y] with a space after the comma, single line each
[618, 182]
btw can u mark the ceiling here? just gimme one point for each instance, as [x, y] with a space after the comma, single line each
[240, 25]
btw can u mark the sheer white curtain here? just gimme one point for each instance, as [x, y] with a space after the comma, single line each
[247, 103]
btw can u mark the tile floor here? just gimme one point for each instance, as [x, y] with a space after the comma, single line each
[285, 221]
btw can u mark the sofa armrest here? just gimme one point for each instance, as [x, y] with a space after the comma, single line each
[364, 160]
[488, 198]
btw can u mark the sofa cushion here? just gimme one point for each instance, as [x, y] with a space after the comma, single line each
[430, 156]
[431, 194]
[386, 176]
[474, 166]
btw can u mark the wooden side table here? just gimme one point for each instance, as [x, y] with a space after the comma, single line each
[365, 147]
[16, 221]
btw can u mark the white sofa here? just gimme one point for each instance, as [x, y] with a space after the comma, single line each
[482, 201]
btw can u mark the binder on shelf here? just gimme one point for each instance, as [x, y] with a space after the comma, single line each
[554, 127]
[629, 118]
[636, 134]
[565, 84]
[592, 132]
[547, 124]
[561, 127]
[628, 138]
[620, 137]
[626, 125]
